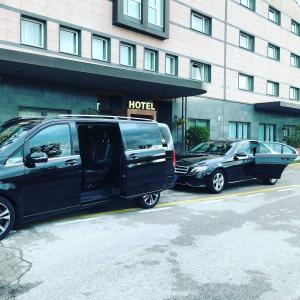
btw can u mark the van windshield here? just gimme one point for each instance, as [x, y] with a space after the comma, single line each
[15, 129]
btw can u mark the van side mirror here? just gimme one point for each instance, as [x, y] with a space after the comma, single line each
[36, 158]
[239, 155]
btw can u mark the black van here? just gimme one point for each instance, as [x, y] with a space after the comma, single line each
[58, 165]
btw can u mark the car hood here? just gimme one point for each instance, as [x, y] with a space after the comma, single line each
[202, 159]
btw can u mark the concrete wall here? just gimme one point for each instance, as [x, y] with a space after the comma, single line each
[16, 93]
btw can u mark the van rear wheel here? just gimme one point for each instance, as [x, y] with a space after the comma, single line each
[7, 217]
[270, 181]
[149, 200]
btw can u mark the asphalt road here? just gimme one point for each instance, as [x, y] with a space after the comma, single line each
[242, 244]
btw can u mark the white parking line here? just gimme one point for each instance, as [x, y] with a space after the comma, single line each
[258, 194]
[154, 210]
[285, 190]
[76, 221]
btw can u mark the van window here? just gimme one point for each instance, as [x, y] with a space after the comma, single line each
[139, 136]
[54, 141]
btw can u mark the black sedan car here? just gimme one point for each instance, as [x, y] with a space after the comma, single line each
[214, 164]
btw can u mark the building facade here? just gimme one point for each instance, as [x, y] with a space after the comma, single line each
[230, 65]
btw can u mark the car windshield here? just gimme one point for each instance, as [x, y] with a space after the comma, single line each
[212, 147]
[13, 130]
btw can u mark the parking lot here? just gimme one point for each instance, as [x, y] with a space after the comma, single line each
[242, 244]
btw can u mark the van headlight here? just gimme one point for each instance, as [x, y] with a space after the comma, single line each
[199, 169]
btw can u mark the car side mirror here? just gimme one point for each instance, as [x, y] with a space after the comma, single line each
[240, 155]
[36, 158]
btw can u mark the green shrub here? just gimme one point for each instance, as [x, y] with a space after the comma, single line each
[294, 140]
[196, 135]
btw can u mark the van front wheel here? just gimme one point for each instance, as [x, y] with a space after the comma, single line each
[149, 200]
[7, 217]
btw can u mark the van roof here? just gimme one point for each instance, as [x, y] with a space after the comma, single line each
[81, 118]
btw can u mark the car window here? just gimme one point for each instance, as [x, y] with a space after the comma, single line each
[281, 148]
[212, 147]
[54, 141]
[245, 148]
[262, 149]
[139, 136]
[16, 158]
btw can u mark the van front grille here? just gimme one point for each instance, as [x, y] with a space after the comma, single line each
[181, 170]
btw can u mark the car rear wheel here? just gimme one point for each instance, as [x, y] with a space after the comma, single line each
[7, 217]
[149, 200]
[270, 181]
[216, 182]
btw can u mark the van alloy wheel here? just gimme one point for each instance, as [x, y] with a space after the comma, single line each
[5, 218]
[149, 200]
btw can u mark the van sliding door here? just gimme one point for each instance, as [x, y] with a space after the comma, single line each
[145, 158]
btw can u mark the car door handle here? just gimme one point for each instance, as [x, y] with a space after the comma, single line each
[71, 162]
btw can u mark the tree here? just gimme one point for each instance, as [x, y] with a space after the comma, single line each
[294, 139]
[196, 135]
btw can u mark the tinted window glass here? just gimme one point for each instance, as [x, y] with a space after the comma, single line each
[139, 136]
[245, 148]
[16, 158]
[212, 147]
[261, 149]
[54, 141]
[15, 129]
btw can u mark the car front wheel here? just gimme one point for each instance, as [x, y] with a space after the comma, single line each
[149, 200]
[216, 182]
[7, 217]
[270, 181]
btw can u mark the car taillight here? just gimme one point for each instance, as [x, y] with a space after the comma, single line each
[174, 158]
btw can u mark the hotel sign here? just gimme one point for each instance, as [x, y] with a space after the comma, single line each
[144, 105]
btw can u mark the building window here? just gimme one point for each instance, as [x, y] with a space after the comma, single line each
[267, 132]
[273, 88]
[198, 122]
[249, 3]
[201, 72]
[289, 130]
[100, 48]
[274, 15]
[133, 8]
[295, 60]
[149, 17]
[171, 65]
[68, 41]
[273, 52]
[34, 112]
[32, 32]
[127, 55]
[295, 27]
[156, 12]
[247, 41]
[294, 93]
[151, 60]
[246, 82]
[201, 23]
[239, 130]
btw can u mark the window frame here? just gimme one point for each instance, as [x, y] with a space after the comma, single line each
[205, 65]
[175, 65]
[249, 5]
[251, 38]
[77, 40]
[140, 10]
[43, 32]
[143, 25]
[277, 13]
[108, 47]
[251, 83]
[160, 16]
[297, 26]
[276, 51]
[237, 123]
[156, 60]
[297, 60]
[206, 21]
[297, 90]
[276, 84]
[266, 127]
[133, 54]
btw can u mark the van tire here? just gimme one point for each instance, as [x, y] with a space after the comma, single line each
[270, 181]
[7, 219]
[216, 182]
[149, 200]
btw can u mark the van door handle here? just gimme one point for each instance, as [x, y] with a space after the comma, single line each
[133, 156]
[71, 162]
